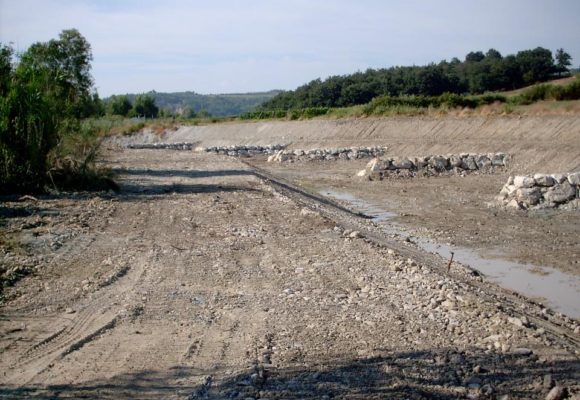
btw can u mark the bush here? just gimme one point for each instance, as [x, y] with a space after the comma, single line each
[42, 98]
[72, 161]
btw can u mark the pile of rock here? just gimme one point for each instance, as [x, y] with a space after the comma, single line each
[244, 150]
[161, 145]
[463, 163]
[342, 153]
[541, 191]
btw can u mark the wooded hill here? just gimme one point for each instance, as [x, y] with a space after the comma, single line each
[477, 73]
[190, 104]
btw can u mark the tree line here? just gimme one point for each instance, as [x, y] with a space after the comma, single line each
[142, 106]
[189, 104]
[478, 73]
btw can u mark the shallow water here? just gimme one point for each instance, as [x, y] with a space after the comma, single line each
[560, 290]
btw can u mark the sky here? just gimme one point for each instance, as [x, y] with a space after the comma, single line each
[238, 46]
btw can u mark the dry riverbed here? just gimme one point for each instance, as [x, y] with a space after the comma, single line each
[201, 279]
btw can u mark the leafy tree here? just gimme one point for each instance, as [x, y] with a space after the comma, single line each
[474, 56]
[145, 106]
[119, 105]
[536, 65]
[563, 61]
[65, 64]
[493, 54]
[43, 96]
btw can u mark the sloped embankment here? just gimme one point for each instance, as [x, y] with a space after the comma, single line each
[541, 143]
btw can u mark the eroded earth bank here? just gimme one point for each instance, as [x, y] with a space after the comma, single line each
[210, 277]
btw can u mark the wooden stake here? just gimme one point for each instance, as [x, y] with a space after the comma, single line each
[450, 261]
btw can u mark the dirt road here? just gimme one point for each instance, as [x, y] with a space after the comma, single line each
[202, 279]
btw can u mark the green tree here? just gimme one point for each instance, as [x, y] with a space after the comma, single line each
[65, 65]
[119, 105]
[474, 56]
[536, 65]
[145, 106]
[43, 95]
[563, 61]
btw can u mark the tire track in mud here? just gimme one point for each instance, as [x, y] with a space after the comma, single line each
[97, 313]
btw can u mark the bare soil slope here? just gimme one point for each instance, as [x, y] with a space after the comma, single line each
[539, 144]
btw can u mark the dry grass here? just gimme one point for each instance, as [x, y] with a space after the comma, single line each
[555, 82]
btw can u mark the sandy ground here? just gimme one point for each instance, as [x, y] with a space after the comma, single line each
[205, 279]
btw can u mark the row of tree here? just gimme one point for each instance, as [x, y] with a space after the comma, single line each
[142, 106]
[478, 73]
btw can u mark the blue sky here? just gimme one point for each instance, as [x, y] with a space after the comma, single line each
[227, 46]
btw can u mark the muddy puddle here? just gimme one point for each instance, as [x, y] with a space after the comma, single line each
[557, 289]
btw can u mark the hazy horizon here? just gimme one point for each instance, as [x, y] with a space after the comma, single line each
[232, 46]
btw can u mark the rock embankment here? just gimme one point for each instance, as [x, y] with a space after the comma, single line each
[332, 154]
[244, 150]
[162, 145]
[541, 191]
[234, 150]
[463, 163]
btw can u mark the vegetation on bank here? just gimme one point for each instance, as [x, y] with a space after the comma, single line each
[418, 104]
[477, 74]
[44, 96]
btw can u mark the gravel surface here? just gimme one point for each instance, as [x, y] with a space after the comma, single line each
[206, 278]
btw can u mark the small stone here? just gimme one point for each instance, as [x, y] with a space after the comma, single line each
[557, 393]
[514, 204]
[522, 351]
[69, 311]
[355, 235]
[449, 304]
[548, 382]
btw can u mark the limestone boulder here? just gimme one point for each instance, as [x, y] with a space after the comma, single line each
[498, 159]
[560, 193]
[483, 162]
[439, 163]
[524, 182]
[544, 180]
[404, 163]
[574, 178]
[559, 178]
[529, 196]
[455, 161]
[469, 163]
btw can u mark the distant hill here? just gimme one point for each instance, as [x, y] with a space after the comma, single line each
[220, 105]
